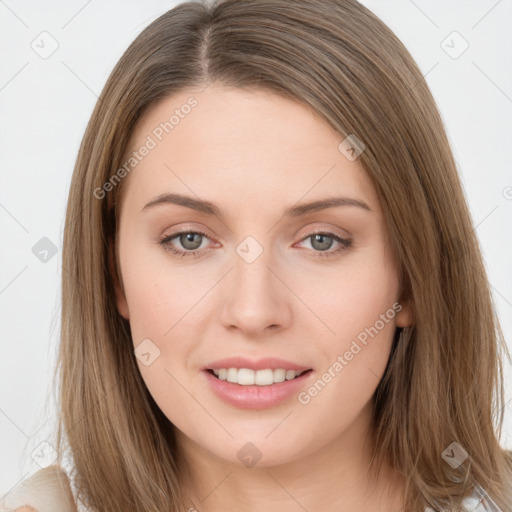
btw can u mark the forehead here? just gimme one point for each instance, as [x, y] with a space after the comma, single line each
[227, 143]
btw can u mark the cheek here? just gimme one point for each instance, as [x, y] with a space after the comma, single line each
[160, 312]
[154, 308]
[359, 306]
[353, 297]
[161, 302]
[158, 294]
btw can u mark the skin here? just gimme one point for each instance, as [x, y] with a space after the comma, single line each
[253, 154]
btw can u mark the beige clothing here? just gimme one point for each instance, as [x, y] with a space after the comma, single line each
[47, 490]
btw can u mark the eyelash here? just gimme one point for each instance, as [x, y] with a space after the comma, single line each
[165, 242]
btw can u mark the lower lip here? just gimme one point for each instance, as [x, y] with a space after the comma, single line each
[256, 397]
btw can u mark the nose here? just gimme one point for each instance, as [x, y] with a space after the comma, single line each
[256, 300]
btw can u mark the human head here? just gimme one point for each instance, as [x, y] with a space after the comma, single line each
[367, 86]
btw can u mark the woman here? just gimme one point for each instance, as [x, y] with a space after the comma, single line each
[273, 295]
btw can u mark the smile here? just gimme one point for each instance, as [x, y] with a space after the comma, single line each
[264, 393]
[248, 377]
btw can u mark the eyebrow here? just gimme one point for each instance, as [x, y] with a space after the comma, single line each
[209, 208]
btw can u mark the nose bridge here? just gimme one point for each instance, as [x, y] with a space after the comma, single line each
[256, 298]
[252, 278]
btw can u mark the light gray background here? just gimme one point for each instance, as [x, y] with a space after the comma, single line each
[46, 103]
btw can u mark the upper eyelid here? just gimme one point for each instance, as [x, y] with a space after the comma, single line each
[319, 230]
[303, 232]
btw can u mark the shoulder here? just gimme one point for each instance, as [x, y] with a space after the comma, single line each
[47, 490]
[479, 501]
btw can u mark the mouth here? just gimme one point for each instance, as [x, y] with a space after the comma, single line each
[249, 377]
[248, 383]
[266, 388]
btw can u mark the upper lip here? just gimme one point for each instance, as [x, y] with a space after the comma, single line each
[272, 363]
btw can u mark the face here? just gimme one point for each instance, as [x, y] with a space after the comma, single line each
[220, 259]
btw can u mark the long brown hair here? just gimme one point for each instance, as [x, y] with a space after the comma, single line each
[443, 383]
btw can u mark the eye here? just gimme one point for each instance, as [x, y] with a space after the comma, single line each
[322, 241]
[189, 240]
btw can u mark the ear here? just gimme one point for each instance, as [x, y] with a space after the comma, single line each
[405, 317]
[122, 304]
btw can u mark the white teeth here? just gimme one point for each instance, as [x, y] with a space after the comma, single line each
[263, 377]
[290, 374]
[248, 377]
[232, 375]
[279, 375]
